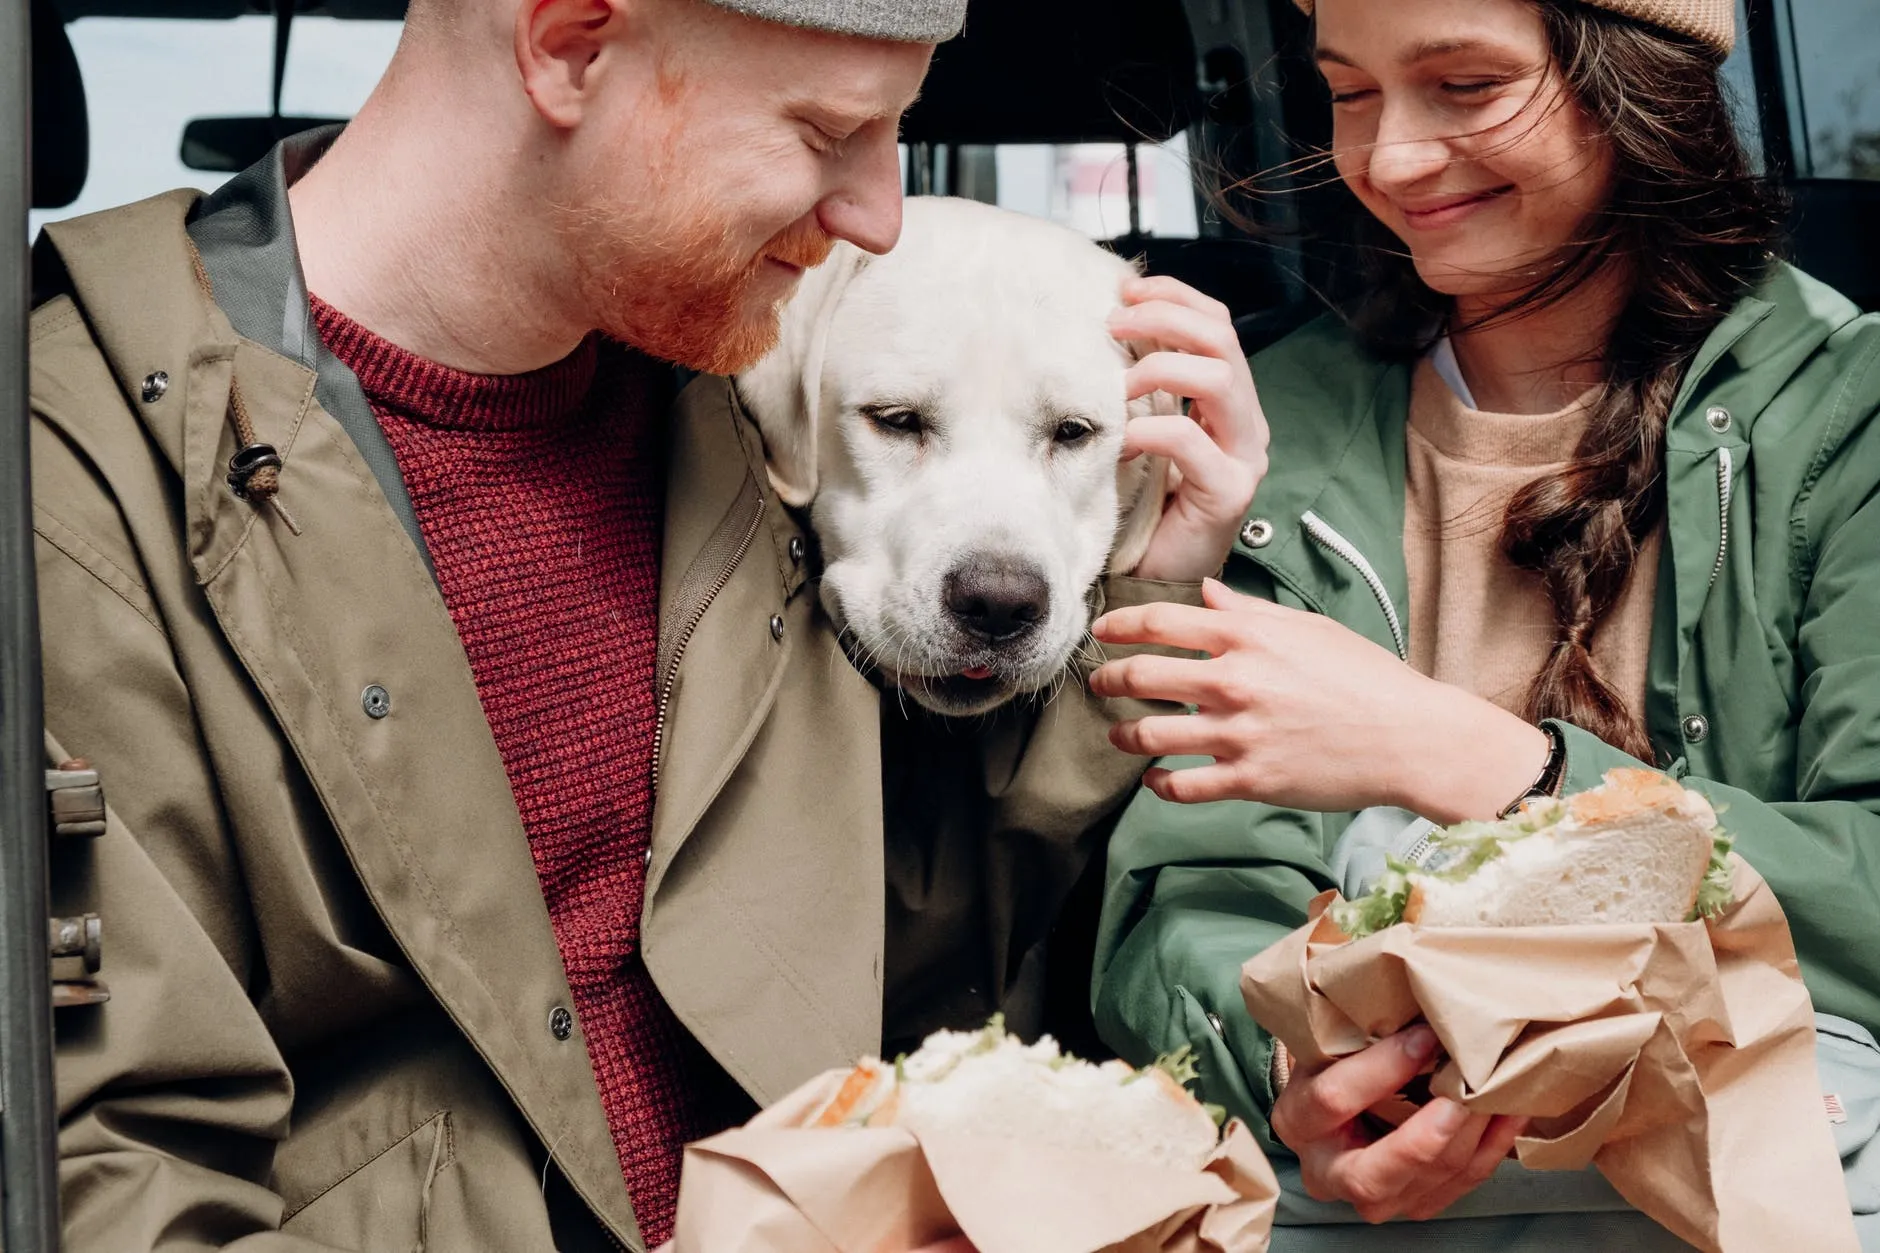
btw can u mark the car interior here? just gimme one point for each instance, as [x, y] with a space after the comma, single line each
[1233, 76]
[1231, 79]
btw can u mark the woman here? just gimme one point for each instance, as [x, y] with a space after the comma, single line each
[1587, 479]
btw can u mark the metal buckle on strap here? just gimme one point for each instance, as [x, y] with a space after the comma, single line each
[75, 945]
[75, 801]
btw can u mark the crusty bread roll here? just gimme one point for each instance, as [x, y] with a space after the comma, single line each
[987, 1083]
[1639, 848]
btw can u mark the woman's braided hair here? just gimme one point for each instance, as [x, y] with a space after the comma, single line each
[1696, 229]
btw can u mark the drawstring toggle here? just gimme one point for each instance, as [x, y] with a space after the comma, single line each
[250, 461]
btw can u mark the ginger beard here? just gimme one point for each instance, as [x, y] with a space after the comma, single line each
[681, 287]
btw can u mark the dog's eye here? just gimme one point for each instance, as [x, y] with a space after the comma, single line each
[1071, 431]
[894, 418]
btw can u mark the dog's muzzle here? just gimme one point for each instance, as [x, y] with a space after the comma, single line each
[996, 601]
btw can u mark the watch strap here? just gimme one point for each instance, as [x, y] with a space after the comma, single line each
[1553, 773]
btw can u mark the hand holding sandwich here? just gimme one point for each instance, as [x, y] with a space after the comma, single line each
[1417, 1170]
[1300, 711]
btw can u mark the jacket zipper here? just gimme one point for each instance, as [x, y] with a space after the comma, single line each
[1347, 552]
[1726, 487]
[670, 679]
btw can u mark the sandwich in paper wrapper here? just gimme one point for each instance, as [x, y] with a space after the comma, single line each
[1018, 1147]
[1606, 966]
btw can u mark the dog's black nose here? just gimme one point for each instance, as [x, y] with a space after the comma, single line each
[996, 600]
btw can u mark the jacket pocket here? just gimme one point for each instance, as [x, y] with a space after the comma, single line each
[1848, 1060]
[382, 1205]
[1223, 1080]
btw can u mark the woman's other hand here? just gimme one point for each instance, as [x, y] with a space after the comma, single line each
[1218, 449]
[1439, 1155]
[1300, 711]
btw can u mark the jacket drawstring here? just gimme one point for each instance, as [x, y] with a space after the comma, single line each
[254, 472]
[1726, 488]
[439, 1143]
[1342, 548]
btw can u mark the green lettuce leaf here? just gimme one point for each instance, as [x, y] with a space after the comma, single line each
[1179, 1065]
[1715, 893]
[1454, 854]
[1381, 907]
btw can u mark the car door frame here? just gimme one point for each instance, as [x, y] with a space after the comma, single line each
[29, 1199]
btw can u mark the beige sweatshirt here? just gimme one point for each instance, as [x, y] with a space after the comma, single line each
[1477, 621]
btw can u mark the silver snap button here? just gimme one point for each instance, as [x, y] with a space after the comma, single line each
[1214, 1020]
[796, 550]
[1696, 728]
[560, 1022]
[1257, 533]
[646, 858]
[376, 701]
[1718, 417]
[155, 384]
[776, 626]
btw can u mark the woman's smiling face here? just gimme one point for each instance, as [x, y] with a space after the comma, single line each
[1451, 123]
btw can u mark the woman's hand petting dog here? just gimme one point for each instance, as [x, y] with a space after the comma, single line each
[1438, 1156]
[1300, 711]
[1218, 450]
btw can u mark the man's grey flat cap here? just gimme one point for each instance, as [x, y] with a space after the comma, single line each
[910, 21]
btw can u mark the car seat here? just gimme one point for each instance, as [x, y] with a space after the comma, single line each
[61, 127]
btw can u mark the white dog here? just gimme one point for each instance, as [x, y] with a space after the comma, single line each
[952, 415]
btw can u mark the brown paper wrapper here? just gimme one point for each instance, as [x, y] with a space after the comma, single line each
[1678, 1059]
[779, 1186]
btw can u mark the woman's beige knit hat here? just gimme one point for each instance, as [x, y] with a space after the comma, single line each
[1710, 22]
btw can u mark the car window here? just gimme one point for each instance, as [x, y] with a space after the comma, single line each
[145, 78]
[1833, 85]
[1739, 80]
[1086, 186]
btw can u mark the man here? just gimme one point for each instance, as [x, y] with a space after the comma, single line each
[387, 595]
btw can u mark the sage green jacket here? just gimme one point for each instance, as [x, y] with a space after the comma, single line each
[1763, 688]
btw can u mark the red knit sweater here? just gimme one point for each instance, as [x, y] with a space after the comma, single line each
[540, 497]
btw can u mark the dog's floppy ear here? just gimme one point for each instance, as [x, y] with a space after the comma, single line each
[1142, 490]
[783, 392]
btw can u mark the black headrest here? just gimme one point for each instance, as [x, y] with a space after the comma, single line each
[1061, 71]
[61, 130]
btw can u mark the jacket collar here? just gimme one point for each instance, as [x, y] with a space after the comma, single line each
[1754, 352]
[245, 235]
